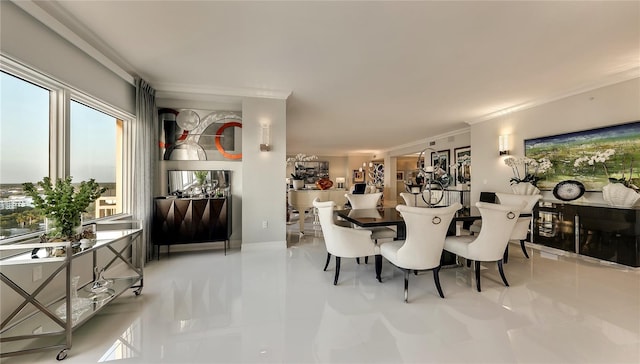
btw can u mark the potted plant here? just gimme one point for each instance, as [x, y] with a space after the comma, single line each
[63, 205]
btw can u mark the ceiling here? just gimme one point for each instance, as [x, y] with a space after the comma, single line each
[365, 77]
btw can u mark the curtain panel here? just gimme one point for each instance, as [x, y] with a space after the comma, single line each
[145, 159]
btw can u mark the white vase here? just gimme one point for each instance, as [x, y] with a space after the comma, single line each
[617, 194]
[524, 188]
[298, 184]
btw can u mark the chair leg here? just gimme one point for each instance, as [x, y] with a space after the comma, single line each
[378, 259]
[477, 266]
[335, 280]
[504, 279]
[327, 263]
[505, 256]
[468, 263]
[358, 260]
[524, 250]
[436, 278]
[366, 260]
[406, 285]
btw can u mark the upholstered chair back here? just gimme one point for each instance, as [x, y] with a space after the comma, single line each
[498, 221]
[522, 225]
[343, 241]
[426, 231]
[364, 201]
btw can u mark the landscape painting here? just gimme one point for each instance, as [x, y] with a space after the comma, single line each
[563, 150]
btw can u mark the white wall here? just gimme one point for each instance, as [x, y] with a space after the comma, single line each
[263, 187]
[615, 104]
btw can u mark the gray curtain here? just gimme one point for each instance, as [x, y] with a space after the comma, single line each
[145, 159]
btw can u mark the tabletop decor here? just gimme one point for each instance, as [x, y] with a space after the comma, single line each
[298, 174]
[63, 205]
[619, 191]
[525, 183]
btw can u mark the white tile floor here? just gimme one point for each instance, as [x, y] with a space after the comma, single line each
[279, 306]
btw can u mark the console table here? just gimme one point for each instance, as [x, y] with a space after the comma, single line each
[599, 231]
[191, 220]
[302, 200]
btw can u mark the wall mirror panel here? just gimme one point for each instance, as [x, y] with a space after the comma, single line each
[201, 183]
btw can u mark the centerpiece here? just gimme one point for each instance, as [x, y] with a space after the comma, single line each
[298, 175]
[526, 183]
[619, 191]
[63, 205]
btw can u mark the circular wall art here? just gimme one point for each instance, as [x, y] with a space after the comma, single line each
[187, 119]
[568, 190]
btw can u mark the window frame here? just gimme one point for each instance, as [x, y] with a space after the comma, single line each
[60, 97]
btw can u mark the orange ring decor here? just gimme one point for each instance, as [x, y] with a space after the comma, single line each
[219, 145]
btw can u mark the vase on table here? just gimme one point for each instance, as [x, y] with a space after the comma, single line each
[617, 194]
[298, 184]
[524, 188]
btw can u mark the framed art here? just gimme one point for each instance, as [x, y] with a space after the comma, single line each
[358, 176]
[564, 149]
[440, 161]
[463, 164]
[400, 176]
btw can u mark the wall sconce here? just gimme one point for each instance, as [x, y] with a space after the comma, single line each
[265, 145]
[340, 182]
[503, 144]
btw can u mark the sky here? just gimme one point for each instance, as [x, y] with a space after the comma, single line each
[24, 136]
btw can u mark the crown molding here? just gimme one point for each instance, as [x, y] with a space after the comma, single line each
[169, 90]
[40, 14]
[422, 142]
[612, 79]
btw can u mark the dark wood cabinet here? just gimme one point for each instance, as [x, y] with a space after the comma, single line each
[602, 232]
[191, 220]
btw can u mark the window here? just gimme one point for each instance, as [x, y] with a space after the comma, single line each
[95, 153]
[24, 151]
[37, 113]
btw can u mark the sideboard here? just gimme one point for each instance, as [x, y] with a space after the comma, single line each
[598, 231]
[191, 220]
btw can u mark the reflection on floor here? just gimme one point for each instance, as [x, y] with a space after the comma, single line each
[279, 306]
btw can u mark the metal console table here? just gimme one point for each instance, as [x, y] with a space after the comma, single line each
[35, 315]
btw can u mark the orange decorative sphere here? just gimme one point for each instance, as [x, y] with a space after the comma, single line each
[324, 183]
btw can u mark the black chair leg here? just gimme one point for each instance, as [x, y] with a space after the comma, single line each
[477, 266]
[436, 278]
[327, 263]
[504, 279]
[335, 280]
[468, 263]
[378, 259]
[358, 260]
[505, 256]
[406, 285]
[366, 260]
[524, 250]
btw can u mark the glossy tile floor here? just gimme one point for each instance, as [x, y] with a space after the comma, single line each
[279, 306]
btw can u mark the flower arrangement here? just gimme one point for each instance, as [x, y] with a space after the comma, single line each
[540, 166]
[602, 157]
[297, 175]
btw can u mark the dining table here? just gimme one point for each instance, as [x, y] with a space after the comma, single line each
[389, 216]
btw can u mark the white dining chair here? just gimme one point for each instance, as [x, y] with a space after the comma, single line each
[370, 201]
[498, 222]
[422, 248]
[521, 229]
[345, 242]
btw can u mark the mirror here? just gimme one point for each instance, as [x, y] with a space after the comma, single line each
[202, 183]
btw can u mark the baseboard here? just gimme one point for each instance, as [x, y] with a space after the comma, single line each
[264, 245]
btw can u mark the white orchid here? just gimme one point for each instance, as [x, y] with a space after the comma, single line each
[597, 157]
[539, 166]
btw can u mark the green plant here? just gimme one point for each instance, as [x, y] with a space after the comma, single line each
[62, 203]
[201, 177]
